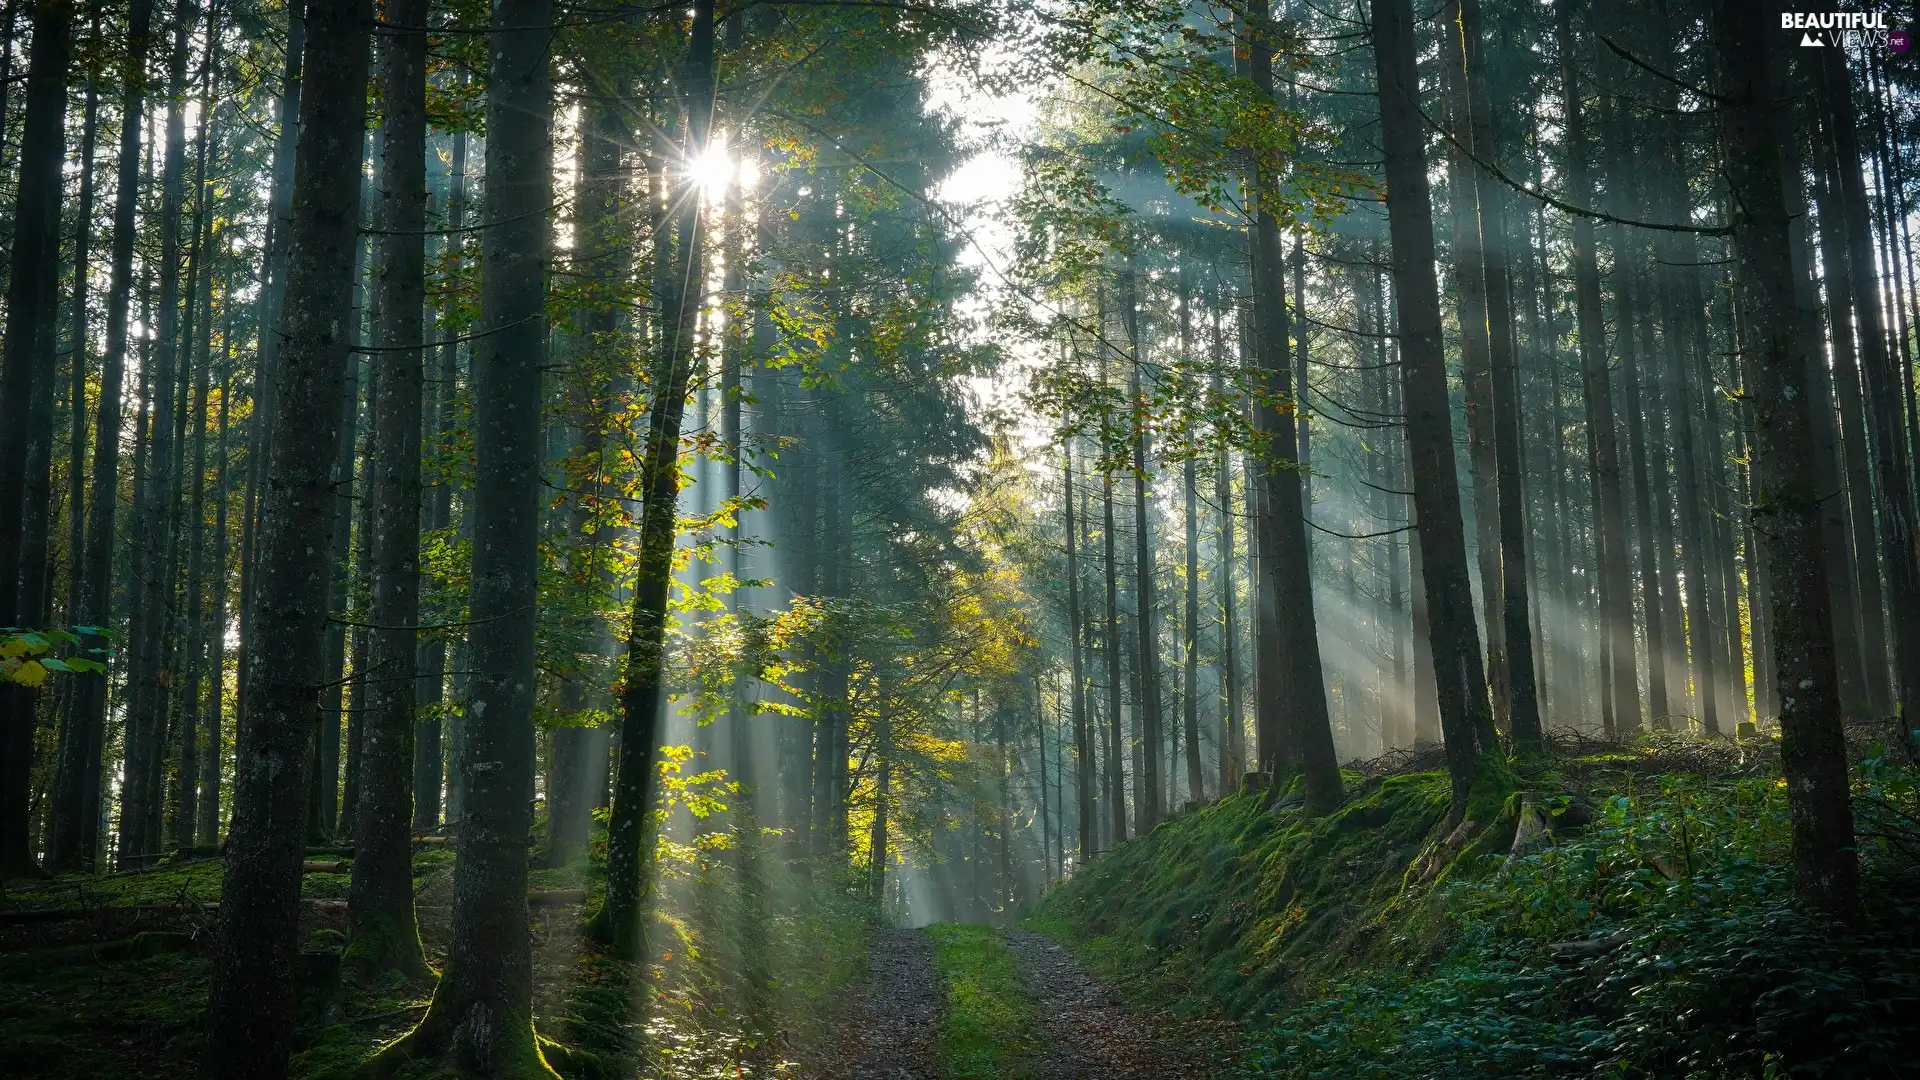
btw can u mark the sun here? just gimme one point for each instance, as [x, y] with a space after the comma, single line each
[712, 171]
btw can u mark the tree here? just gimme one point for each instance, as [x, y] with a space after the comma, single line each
[480, 1022]
[381, 924]
[1812, 748]
[250, 1010]
[1466, 719]
[26, 393]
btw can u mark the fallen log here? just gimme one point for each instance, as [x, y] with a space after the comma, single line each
[326, 866]
[556, 897]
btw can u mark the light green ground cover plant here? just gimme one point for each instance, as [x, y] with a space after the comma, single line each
[986, 1030]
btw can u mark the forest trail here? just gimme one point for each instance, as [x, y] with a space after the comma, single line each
[891, 1031]
[1086, 1032]
[1082, 1030]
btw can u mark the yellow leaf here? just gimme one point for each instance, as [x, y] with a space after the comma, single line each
[30, 674]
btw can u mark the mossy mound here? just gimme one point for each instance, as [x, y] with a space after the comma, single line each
[1228, 903]
[1607, 922]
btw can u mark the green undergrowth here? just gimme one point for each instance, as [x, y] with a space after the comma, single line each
[1649, 931]
[739, 977]
[986, 1028]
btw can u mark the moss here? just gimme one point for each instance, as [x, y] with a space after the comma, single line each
[1248, 898]
[381, 944]
[986, 1030]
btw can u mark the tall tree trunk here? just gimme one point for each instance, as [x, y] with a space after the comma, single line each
[480, 1021]
[273, 286]
[1512, 648]
[147, 699]
[250, 1009]
[381, 931]
[1466, 719]
[1149, 790]
[1110, 645]
[428, 773]
[1893, 468]
[1285, 556]
[207, 826]
[74, 727]
[76, 810]
[1812, 747]
[1196, 786]
[1082, 737]
[620, 922]
[1233, 752]
[26, 400]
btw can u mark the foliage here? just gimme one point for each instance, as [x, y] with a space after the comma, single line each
[987, 1027]
[1659, 938]
[26, 655]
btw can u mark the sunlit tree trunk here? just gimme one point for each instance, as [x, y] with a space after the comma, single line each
[620, 922]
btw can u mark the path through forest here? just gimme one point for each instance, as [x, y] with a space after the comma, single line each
[1084, 1031]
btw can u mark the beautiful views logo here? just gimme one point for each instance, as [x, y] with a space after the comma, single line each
[1846, 30]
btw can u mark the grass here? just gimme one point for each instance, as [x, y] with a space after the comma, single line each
[986, 1031]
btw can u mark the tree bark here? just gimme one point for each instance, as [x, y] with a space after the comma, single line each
[26, 400]
[76, 810]
[1149, 789]
[1466, 719]
[147, 697]
[1512, 647]
[1812, 747]
[620, 923]
[74, 727]
[250, 1011]
[1082, 737]
[381, 931]
[1285, 556]
[1893, 470]
[480, 1021]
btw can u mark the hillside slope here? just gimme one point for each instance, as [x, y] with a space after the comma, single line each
[1627, 914]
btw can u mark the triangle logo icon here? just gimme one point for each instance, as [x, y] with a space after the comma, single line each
[1808, 41]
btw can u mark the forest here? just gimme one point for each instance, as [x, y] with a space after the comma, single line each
[959, 539]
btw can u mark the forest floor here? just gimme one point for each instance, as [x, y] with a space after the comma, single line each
[965, 1002]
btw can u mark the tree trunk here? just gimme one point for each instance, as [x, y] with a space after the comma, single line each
[1110, 645]
[1812, 747]
[207, 826]
[1285, 556]
[1082, 737]
[26, 399]
[250, 1011]
[273, 285]
[480, 1021]
[75, 729]
[76, 810]
[1466, 720]
[620, 923]
[1899, 532]
[1149, 790]
[1511, 648]
[147, 697]
[1196, 786]
[381, 932]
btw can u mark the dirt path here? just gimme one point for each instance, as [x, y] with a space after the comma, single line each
[891, 1033]
[1086, 1033]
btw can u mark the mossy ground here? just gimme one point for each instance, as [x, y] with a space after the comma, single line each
[987, 1025]
[1661, 930]
[71, 1008]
